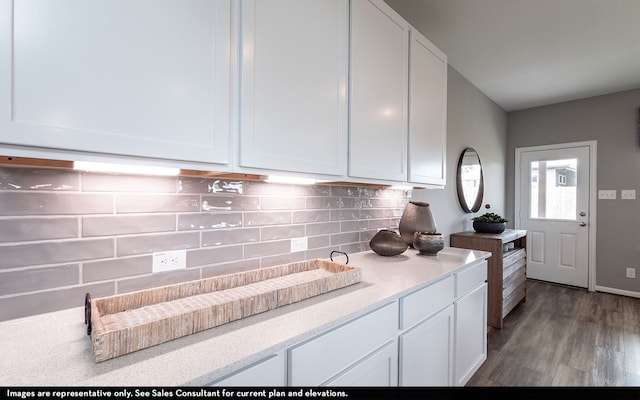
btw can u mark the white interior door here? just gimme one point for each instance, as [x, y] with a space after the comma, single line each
[553, 205]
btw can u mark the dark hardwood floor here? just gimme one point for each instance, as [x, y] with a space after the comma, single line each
[565, 336]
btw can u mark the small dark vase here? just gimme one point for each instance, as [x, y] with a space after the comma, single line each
[387, 243]
[489, 227]
[416, 217]
[427, 243]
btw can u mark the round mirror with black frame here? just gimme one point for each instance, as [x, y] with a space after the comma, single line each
[470, 181]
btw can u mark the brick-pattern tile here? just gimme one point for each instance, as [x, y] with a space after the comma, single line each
[116, 268]
[46, 179]
[141, 244]
[64, 233]
[54, 252]
[44, 228]
[111, 225]
[58, 203]
[30, 280]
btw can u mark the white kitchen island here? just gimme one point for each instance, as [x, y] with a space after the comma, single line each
[409, 291]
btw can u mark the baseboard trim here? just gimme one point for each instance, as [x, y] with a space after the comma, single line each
[617, 291]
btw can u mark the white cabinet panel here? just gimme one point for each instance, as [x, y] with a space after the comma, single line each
[143, 78]
[426, 352]
[294, 80]
[419, 305]
[268, 372]
[471, 277]
[427, 112]
[378, 97]
[321, 358]
[379, 369]
[470, 333]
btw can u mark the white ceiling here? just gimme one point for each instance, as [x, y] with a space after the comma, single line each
[527, 53]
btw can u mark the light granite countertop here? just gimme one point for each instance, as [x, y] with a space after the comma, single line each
[53, 349]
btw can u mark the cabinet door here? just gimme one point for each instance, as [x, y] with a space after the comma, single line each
[379, 369]
[294, 78]
[321, 358]
[426, 352]
[268, 372]
[143, 78]
[470, 333]
[427, 112]
[378, 97]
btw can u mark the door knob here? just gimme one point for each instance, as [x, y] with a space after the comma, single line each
[583, 214]
[583, 224]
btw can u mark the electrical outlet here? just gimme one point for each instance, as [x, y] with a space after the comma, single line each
[169, 260]
[631, 273]
[628, 194]
[607, 194]
[299, 244]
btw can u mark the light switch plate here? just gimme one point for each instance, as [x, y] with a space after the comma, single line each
[628, 194]
[607, 194]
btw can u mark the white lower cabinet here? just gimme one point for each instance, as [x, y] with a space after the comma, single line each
[433, 336]
[324, 357]
[470, 322]
[426, 352]
[270, 371]
[378, 369]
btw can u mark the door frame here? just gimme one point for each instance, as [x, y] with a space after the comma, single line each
[593, 147]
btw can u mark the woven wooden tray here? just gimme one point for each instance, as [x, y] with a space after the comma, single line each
[129, 322]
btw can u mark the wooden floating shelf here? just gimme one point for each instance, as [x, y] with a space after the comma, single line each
[129, 322]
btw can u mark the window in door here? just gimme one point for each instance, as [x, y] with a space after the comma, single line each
[553, 189]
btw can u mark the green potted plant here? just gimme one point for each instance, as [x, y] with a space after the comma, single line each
[489, 223]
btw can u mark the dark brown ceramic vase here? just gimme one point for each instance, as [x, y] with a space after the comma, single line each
[417, 217]
[387, 243]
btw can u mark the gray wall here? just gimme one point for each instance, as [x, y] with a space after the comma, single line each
[612, 120]
[473, 120]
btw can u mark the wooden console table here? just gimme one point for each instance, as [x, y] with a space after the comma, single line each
[506, 270]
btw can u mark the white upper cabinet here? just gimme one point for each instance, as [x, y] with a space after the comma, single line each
[294, 69]
[427, 111]
[378, 97]
[147, 78]
[398, 99]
